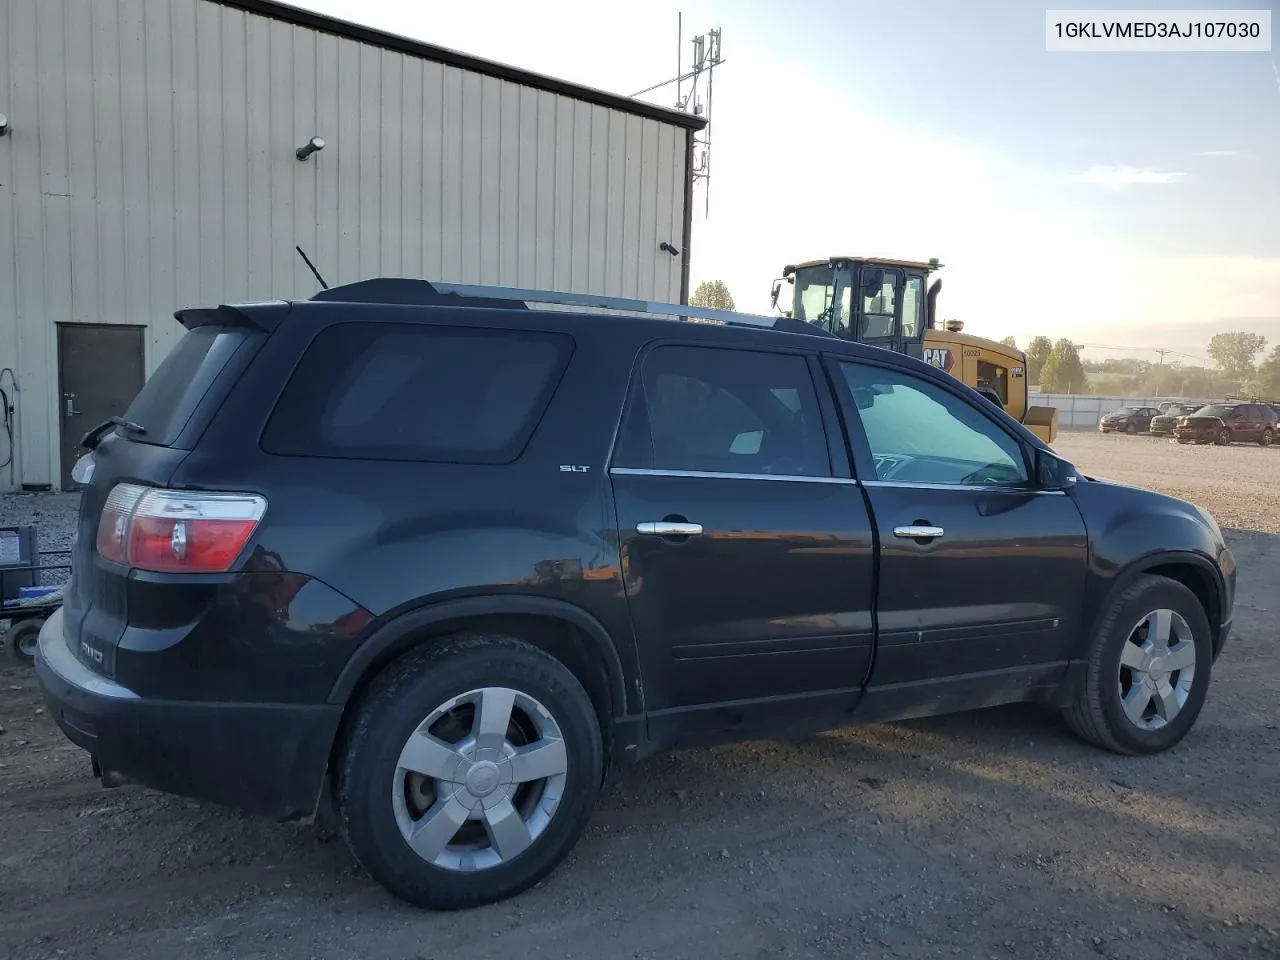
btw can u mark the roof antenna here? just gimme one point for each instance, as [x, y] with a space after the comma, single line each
[312, 266]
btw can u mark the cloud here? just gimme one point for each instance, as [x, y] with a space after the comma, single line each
[1218, 153]
[1115, 177]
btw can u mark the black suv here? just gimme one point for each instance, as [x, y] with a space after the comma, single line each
[1163, 424]
[432, 560]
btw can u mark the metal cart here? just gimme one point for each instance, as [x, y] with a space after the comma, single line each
[26, 598]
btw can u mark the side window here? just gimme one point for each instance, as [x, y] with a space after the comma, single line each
[715, 410]
[920, 433]
[406, 391]
[912, 304]
[992, 376]
[878, 306]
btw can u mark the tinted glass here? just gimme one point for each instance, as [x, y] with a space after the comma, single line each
[920, 433]
[169, 397]
[391, 391]
[724, 411]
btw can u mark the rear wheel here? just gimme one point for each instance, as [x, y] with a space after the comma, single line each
[469, 771]
[1224, 437]
[1148, 670]
[1131, 429]
[1267, 437]
[23, 639]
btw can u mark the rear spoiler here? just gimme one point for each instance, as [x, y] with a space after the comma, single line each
[264, 316]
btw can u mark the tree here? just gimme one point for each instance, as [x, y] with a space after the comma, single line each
[1234, 352]
[1038, 351]
[712, 294]
[1062, 372]
[1266, 381]
[1010, 342]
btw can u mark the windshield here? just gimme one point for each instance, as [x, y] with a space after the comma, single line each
[814, 289]
[1215, 410]
[1127, 410]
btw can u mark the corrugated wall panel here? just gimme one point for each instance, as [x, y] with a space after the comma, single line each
[151, 167]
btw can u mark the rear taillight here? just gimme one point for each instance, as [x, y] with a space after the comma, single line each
[173, 531]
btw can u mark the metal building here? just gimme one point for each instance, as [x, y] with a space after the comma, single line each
[150, 161]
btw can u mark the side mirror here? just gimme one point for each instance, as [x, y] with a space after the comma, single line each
[777, 288]
[1054, 473]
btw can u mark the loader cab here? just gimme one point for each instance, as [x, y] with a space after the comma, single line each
[883, 303]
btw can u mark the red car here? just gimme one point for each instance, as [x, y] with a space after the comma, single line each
[1226, 423]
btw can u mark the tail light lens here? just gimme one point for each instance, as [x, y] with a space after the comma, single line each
[172, 531]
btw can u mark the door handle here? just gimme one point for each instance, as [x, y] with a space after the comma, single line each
[668, 528]
[71, 405]
[918, 532]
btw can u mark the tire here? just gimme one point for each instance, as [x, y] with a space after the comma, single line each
[1131, 429]
[1266, 438]
[1098, 711]
[379, 802]
[23, 638]
[1223, 438]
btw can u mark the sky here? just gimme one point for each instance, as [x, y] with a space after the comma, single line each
[1120, 199]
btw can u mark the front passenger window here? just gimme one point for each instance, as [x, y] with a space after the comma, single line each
[920, 433]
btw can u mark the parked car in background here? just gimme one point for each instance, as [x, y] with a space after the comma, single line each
[1128, 420]
[1227, 423]
[1162, 425]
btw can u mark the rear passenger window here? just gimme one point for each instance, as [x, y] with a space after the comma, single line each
[713, 410]
[395, 391]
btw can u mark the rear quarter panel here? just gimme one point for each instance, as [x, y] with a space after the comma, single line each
[394, 536]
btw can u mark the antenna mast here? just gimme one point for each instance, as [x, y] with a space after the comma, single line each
[706, 57]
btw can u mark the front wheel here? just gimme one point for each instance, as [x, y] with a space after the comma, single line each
[469, 771]
[1131, 429]
[1147, 672]
[1267, 437]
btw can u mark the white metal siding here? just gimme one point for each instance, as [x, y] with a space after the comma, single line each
[151, 167]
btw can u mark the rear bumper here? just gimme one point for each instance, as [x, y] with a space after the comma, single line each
[262, 758]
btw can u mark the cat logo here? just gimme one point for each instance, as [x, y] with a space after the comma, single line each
[939, 357]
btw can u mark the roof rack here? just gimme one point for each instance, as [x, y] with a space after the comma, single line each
[423, 292]
[1251, 399]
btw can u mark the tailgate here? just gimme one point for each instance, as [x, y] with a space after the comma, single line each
[155, 435]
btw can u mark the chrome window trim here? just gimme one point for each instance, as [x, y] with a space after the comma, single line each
[984, 487]
[710, 475]
[841, 481]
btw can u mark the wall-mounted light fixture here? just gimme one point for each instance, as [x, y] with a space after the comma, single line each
[4, 124]
[668, 248]
[312, 146]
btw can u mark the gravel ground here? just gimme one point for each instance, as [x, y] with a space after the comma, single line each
[992, 834]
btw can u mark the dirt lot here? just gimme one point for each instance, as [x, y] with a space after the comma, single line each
[986, 835]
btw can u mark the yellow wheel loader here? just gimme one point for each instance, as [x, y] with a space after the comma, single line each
[884, 303]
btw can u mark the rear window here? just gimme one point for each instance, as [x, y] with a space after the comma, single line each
[396, 391]
[170, 395]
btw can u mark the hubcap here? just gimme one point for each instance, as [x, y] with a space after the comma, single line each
[479, 779]
[1157, 668]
